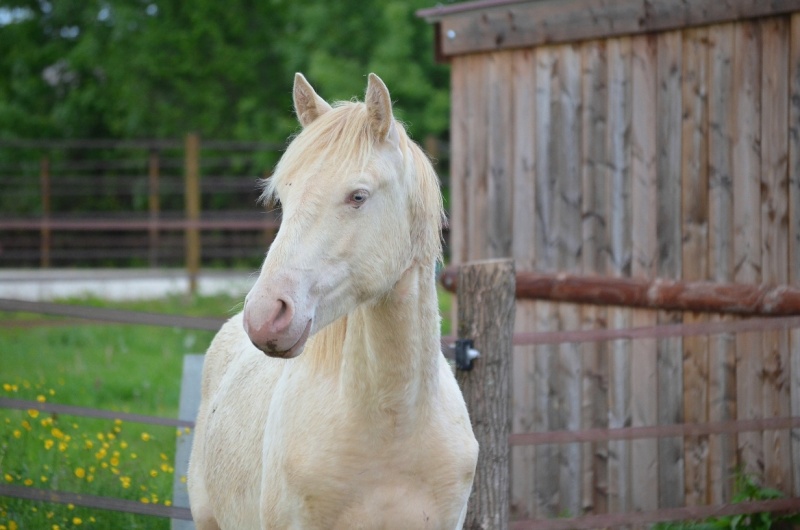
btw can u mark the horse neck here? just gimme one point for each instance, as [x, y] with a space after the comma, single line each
[392, 348]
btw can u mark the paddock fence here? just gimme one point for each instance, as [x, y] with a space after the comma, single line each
[490, 392]
[152, 203]
[72, 314]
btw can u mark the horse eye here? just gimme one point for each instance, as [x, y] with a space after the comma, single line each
[357, 198]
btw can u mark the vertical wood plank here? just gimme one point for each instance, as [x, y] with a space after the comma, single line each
[619, 208]
[45, 242]
[459, 166]
[794, 230]
[670, 380]
[694, 219]
[524, 252]
[775, 238]
[644, 402]
[747, 229]
[566, 165]
[153, 204]
[486, 315]
[499, 186]
[722, 348]
[546, 415]
[594, 256]
[477, 207]
[192, 201]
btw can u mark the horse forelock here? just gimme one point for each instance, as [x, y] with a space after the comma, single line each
[342, 139]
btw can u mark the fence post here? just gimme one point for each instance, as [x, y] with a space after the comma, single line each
[192, 201]
[45, 239]
[486, 316]
[153, 204]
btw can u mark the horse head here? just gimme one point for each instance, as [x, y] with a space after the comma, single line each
[360, 206]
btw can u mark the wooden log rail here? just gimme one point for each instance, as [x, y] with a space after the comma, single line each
[668, 295]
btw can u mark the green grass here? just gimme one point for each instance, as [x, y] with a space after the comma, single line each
[114, 367]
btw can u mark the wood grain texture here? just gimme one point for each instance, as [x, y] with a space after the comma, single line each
[668, 220]
[464, 30]
[747, 229]
[775, 237]
[794, 229]
[499, 182]
[644, 402]
[486, 315]
[618, 154]
[594, 256]
[459, 160]
[524, 253]
[694, 258]
[722, 348]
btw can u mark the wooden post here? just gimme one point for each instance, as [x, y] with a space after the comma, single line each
[192, 201]
[486, 316]
[45, 241]
[153, 204]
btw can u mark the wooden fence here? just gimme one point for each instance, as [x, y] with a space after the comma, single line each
[634, 139]
[146, 202]
[486, 319]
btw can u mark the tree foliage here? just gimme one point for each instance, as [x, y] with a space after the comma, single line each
[160, 68]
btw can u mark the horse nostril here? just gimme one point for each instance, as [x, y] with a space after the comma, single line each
[283, 315]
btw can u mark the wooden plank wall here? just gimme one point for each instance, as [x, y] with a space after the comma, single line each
[672, 154]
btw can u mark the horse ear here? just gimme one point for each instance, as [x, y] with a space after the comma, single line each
[379, 108]
[307, 104]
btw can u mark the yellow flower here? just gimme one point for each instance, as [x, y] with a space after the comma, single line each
[89, 478]
[62, 446]
[76, 521]
[56, 527]
[144, 500]
[164, 456]
[88, 444]
[8, 478]
[153, 473]
[28, 482]
[17, 433]
[12, 525]
[26, 425]
[40, 398]
[123, 445]
[80, 472]
[167, 502]
[165, 467]
[125, 481]
[70, 506]
[145, 437]
[118, 422]
[100, 436]
[114, 461]
[43, 478]
[48, 444]
[57, 433]
[33, 413]
[6, 387]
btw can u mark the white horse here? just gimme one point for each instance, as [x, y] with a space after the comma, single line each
[367, 429]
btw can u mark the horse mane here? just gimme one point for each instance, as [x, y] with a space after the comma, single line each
[345, 139]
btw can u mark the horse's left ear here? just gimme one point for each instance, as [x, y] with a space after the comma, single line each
[379, 109]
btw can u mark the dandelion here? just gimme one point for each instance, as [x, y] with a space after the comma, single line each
[114, 461]
[144, 500]
[125, 481]
[165, 467]
[43, 478]
[26, 425]
[6, 387]
[123, 445]
[88, 444]
[76, 521]
[28, 482]
[33, 413]
[40, 398]
[55, 527]
[80, 472]
[12, 525]
[146, 437]
[8, 478]
[17, 433]
[48, 444]
[167, 502]
[153, 473]
[57, 433]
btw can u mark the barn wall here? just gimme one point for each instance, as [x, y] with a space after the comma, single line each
[670, 154]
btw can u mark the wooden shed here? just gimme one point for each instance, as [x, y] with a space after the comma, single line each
[643, 139]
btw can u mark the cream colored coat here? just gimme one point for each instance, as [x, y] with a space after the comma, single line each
[359, 423]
